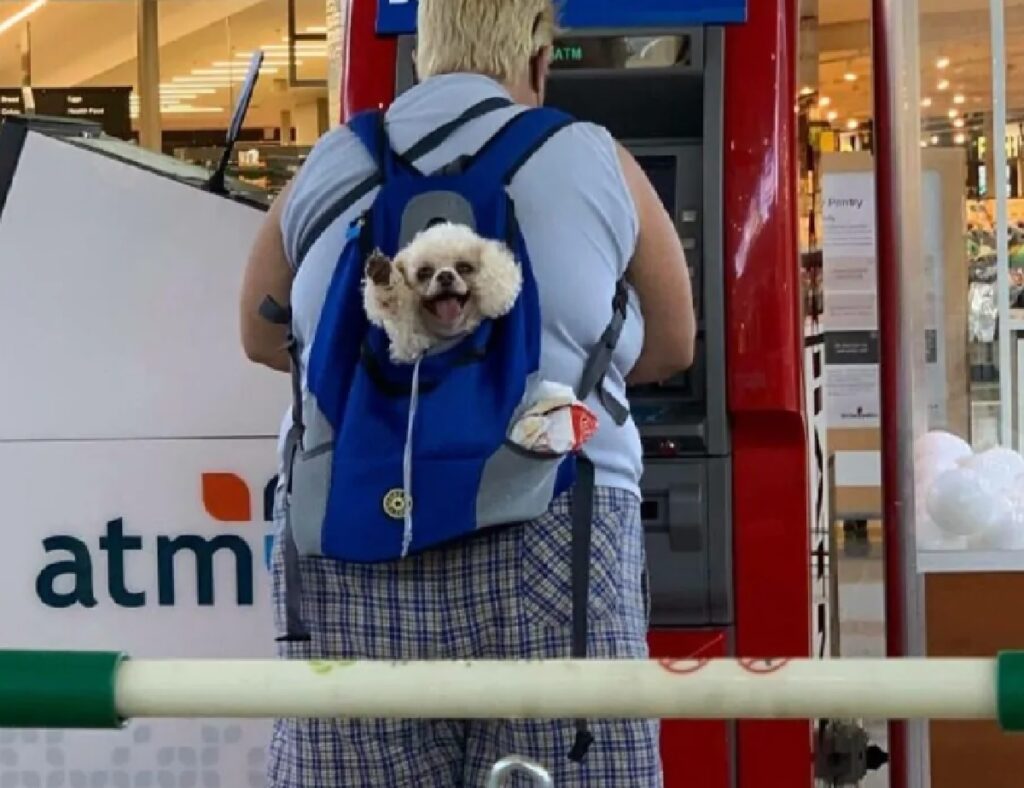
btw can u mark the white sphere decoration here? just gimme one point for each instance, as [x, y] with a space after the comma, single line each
[1007, 531]
[940, 448]
[931, 537]
[962, 503]
[999, 467]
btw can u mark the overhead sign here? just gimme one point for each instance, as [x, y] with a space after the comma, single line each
[109, 107]
[398, 17]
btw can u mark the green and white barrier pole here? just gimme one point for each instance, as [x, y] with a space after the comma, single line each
[102, 690]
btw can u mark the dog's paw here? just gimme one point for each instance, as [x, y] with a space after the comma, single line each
[378, 269]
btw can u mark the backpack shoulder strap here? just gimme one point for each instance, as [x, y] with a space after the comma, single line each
[515, 143]
[370, 129]
[366, 126]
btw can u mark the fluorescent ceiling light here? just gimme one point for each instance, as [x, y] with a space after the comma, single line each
[926, 102]
[942, 62]
[232, 72]
[20, 16]
[188, 109]
[244, 64]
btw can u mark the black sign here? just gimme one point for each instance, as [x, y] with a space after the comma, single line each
[109, 107]
[10, 102]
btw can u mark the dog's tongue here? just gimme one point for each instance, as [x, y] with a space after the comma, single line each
[448, 310]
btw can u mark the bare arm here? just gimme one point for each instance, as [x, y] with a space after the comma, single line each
[660, 277]
[267, 274]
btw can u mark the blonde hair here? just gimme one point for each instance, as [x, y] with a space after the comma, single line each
[492, 37]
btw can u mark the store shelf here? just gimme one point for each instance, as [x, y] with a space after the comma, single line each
[966, 562]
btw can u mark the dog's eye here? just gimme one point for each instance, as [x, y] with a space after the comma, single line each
[425, 274]
[464, 269]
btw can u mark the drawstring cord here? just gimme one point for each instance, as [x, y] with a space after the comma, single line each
[407, 459]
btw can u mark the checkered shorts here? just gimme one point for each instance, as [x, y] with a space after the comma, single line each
[504, 595]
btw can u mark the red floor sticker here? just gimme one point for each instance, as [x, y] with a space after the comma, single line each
[683, 667]
[763, 667]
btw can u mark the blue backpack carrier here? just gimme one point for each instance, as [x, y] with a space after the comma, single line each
[388, 460]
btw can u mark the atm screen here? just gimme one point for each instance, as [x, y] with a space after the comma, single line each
[662, 171]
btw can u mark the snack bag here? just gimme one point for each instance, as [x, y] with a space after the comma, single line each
[556, 424]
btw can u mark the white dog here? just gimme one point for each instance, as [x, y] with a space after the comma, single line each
[441, 286]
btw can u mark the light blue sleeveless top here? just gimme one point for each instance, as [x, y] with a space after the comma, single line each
[576, 214]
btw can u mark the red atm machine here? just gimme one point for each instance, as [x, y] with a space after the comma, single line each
[704, 94]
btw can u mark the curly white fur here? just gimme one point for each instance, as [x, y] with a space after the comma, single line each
[395, 292]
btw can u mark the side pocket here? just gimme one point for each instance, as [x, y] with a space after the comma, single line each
[311, 480]
[516, 487]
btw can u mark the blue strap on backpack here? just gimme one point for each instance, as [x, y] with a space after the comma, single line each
[388, 460]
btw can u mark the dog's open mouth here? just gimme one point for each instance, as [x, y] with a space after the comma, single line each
[447, 307]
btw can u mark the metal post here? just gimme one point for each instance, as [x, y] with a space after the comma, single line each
[149, 75]
[1000, 190]
[337, 12]
[901, 323]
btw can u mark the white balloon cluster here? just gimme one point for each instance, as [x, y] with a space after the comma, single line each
[967, 500]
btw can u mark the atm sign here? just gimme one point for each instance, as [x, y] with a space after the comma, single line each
[568, 54]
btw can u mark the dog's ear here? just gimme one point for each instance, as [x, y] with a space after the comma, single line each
[498, 280]
[401, 264]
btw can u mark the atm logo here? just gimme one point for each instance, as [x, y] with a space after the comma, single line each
[222, 564]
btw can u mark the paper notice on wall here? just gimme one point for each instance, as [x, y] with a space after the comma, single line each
[856, 311]
[851, 396]
[848, 214]
[850, 280]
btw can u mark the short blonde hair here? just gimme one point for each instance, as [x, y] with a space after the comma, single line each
[492, 37]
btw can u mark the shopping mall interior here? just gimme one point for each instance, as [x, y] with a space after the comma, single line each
[958, 88]
[90, 48]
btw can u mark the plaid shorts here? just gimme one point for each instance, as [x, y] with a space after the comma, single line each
[503, 595]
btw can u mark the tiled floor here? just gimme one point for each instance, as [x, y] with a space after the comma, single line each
[862, 628]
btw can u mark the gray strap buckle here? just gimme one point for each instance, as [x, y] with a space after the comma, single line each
[515, 764]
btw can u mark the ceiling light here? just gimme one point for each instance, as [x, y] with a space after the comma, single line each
[959, 98]
[849, 76]
[824, 101]
[852, 124]
[833, 115]
[924, 143]
[20, 16]
[188, 109]
[926, 102]
[943, 84]
[806, 91]
[958, 123]
[935, 139]
[953, 113]
[244, 64]
[229, 72]
[942, 62]
[960, 138]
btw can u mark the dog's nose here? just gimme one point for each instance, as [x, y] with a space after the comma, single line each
[446, 279]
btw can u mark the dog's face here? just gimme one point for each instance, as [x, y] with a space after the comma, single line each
[457, 276]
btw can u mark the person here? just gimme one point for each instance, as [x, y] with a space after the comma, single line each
[589, 215]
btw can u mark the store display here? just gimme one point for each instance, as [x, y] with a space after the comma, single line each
[967, 500]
